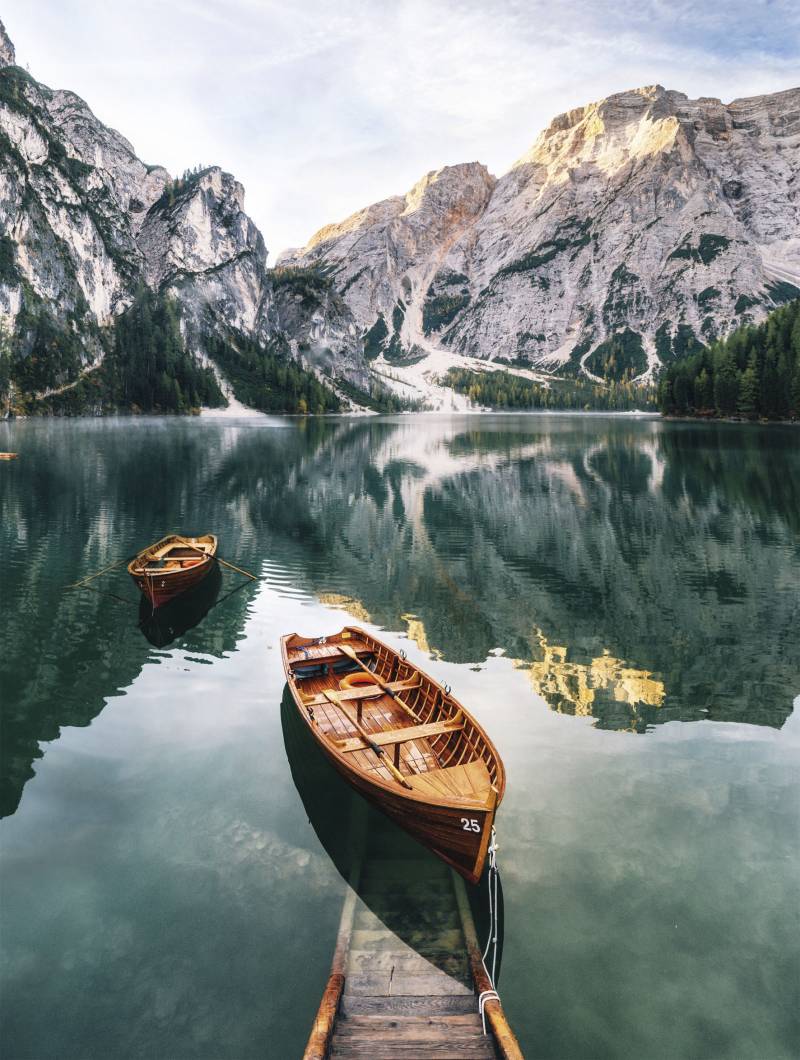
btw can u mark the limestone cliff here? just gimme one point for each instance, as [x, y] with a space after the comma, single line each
[663, 220]
[84, 223]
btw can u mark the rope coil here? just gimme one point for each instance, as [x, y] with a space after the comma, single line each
[487, 995]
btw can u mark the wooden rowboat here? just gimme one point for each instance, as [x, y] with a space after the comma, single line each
[400, 739]
[172, 566]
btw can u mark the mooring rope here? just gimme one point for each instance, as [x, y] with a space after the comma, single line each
[487, 995]
[494, 923]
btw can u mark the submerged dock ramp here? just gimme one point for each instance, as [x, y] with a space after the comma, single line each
[407, 971]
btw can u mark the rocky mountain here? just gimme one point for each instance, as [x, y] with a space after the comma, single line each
[633, 229]
[85, 224]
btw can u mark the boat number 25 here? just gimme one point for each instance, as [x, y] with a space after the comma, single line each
[469, 824]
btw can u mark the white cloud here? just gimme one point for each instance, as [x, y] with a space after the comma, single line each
[320, 110]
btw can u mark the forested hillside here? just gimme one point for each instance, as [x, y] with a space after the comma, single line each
[753, 373]
[503, 390]
[143, 364]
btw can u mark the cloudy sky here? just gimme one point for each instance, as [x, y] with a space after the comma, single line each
[322, 106]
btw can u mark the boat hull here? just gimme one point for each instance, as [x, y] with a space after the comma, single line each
[160, 590]
[162, 625]
[455, 823]
[439, 828]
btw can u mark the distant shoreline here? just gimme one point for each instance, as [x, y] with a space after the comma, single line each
[739, 420]
[255, 414]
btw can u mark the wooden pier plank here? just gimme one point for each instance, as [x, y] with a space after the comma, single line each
[406, 984]
[399, 1047]
[370, 962]
[407, 1005]
[447, 939]
[441, 917]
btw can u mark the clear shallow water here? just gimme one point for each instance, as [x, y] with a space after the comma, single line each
[617, 601]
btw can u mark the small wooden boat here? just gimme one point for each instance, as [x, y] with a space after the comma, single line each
[400, 739]
[172, 565]
[8, 456]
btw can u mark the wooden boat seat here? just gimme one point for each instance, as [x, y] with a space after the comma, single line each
[362, 692]
[469, 781]
[325, 652]
[402, 735]
[173, 563]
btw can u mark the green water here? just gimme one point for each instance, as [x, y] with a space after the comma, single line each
[617, 601]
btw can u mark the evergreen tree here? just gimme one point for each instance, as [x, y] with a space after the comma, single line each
[681, 392]
[749, 390]
[769, 383]
[149, 367]
[703, 390]
[726, 382]
[5, 364]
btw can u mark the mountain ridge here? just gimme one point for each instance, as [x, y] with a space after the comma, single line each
[671, 218]
[632, 232]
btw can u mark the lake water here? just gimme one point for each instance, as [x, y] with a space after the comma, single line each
[616, 600]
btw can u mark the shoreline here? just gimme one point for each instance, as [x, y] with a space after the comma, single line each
[243, 412]
[738, 420]
[254, 414]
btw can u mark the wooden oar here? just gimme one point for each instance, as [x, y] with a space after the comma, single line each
[219, 559]
[365, 736]
[348, 651]
[84, 581]
[238, 570]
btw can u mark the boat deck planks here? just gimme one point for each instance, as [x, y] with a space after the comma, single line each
[378, 714]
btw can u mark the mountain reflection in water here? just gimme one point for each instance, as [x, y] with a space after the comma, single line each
[590, 689]
[640, 571]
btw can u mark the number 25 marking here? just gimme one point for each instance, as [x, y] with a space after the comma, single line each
[469, 824]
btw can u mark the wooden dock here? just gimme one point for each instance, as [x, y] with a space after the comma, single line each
[407, 969]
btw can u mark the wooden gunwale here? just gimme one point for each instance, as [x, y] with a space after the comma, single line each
[149, 553]
[319, 1039]
[504, 1037]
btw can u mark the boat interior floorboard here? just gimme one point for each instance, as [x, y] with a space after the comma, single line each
[381, 714]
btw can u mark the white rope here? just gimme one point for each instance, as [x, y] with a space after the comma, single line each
[487, 995]
[491, 942]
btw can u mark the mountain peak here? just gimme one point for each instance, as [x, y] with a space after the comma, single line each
[8, 56]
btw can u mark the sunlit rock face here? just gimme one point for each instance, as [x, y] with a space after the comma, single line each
[85, 222]
[388, 255]
[201, 247]
[675, 219]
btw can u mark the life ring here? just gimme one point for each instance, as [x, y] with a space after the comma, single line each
[357, 680]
